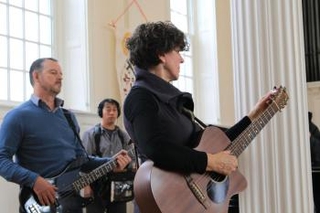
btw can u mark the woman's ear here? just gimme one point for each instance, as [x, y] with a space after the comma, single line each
[162, 58]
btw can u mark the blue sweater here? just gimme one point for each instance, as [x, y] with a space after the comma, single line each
[41, 140]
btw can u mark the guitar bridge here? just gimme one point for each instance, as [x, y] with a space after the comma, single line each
[195, 189]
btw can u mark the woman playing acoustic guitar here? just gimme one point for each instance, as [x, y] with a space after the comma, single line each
[159, 117]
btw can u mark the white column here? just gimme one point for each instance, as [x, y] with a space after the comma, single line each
[268, 51]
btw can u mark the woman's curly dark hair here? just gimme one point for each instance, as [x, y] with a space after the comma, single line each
[149, 40]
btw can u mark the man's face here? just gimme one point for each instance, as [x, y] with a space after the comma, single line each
[49, 79]
[110, 112]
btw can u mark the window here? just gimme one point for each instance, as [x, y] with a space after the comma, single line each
[311, 25]
[180, 17]
[25, 35]
[199, 73]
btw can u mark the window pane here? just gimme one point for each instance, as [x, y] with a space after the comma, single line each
[3, 52]
[180, 21]
[184, 84]
[16, 54]
[177, 83]
[16, 2]
[180, 17]
[189, 85]
[179, 6]
[31, 26]
[21, 42]
[45, 7]
[29, 88]
[15, 22]
[16, 85]
[32, 53]
[45, 51]
[3, 84]
[45, 30]
[3, 19]
[181, 84]
[187, 67]
[31, 5]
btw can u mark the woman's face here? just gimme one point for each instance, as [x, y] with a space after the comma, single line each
[171, 64]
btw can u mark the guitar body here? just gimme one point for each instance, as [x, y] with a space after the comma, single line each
[64, 183]
[160, 191]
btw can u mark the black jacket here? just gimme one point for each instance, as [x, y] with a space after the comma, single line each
[154, 119]
[314, 142]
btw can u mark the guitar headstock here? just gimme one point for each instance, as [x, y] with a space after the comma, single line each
[280, 97]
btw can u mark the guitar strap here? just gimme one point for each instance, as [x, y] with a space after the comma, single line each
[201, 123]
[97, 138]
[67, 114]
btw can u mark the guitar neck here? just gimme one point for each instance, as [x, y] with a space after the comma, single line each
[97, 173]
[244, 139]
[94, 175]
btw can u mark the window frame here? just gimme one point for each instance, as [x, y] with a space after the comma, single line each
[41, 48]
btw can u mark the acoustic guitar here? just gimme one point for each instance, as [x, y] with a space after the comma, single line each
[160, 191]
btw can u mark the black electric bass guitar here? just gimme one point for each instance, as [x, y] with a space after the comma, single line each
[69, 183]
[160, 191]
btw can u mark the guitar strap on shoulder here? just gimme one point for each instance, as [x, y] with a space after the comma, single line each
[136, 155]
[201, 123]
[97, 137]
[72, 125]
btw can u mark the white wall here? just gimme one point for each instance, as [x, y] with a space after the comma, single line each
[8, 191]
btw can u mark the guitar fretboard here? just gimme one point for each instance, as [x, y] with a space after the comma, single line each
[94, 175]
[245, 138]
[97, 173]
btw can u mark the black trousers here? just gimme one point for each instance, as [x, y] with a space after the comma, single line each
[97, 206]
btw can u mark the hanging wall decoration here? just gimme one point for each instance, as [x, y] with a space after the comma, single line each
[125, 71]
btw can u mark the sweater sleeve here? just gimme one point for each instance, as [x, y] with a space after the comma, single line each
[10, 137]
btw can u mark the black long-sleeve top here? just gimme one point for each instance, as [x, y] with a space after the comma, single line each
[154, 119]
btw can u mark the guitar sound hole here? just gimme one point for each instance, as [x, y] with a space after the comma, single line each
[218, 187]
[216, 177]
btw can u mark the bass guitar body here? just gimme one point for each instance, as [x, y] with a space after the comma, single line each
[30, 203]
[69, 183]
[160, 191]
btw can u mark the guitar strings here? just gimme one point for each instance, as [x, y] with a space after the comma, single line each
[89, 178]
[244, 139]
[85, 180]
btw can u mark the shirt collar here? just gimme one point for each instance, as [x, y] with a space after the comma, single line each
[38, 102]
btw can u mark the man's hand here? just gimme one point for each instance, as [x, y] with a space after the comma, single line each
[45, 191]
[87, 192]
[123, 159]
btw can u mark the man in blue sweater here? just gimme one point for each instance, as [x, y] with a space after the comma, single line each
[44, 140]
